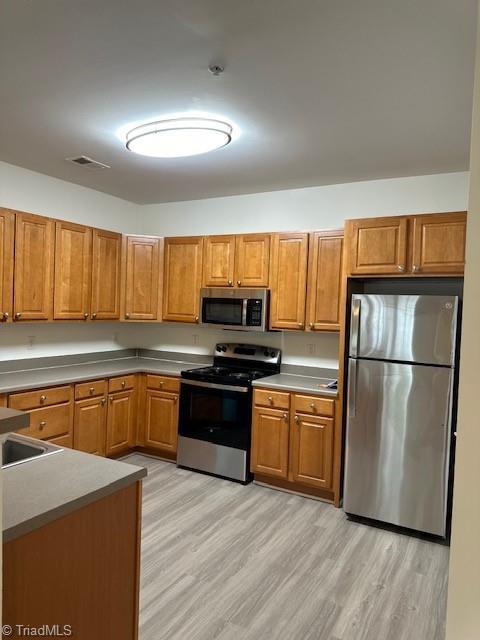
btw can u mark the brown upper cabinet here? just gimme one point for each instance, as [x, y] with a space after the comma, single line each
[7, 236]
[182, 278]
[219, 261]
[405, 245]
[438, 243]
[288, 280]
[73, 271]
[324, 280]
[34, 260]
[237, 261]
[107, 247]
[142, 277]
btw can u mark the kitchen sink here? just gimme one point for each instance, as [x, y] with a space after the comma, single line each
[18, 449]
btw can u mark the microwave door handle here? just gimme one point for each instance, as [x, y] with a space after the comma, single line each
[244, 312]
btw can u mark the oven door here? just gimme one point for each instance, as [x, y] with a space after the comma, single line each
[219, 414]
[224, 312]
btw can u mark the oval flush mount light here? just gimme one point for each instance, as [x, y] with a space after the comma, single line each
[179, 137]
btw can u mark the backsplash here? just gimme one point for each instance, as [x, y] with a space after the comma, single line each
[35, 340]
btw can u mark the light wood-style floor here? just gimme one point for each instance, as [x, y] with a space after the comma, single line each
[221, 561]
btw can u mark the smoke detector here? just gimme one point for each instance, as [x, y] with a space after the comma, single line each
[87, 163]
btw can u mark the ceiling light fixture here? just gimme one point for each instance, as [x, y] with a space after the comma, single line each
[179, 137]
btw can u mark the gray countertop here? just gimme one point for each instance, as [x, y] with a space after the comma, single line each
[64, 374]
[11, 419]
[293, 382]
[42, 490]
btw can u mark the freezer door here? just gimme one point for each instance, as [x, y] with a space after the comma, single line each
[406, 328]
[398, 444]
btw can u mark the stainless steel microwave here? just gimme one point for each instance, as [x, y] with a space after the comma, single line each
[228, 308]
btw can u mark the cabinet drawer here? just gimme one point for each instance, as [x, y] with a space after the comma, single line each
[163, 383]
[269, 398]
[313, 405]
[122, 383]
[90, 389]
[40, 398]
[50, 422]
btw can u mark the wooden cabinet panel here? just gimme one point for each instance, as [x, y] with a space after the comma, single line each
[63, 441]
[288, 280]
[272, 399]
[143, 278]
[163, 383]
[324, 281]
[7, 238]
[40, 398]
[90, 389]
[218, 261]
[378, 245]
[182, 279]
[313, 405]
[120, 422]
[34, 255]
[50, 422]
[106, 275]
[252, 260]
[438, 244]
[121, 383]
[270, 429]
[312, 450]
[90, 424]
[73, 271]
[161, 420]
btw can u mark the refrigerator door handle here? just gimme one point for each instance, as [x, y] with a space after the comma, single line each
[355, 327]
[352, 388]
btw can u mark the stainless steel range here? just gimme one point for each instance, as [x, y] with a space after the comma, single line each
[216, 410]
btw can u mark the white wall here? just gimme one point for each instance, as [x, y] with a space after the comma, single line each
[310, 208]
[37, 193]
[463, 610]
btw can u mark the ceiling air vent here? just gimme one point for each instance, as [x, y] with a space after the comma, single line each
[88, 163]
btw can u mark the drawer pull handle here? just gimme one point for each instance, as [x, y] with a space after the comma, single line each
[401, 267]
[92, 390]
[239, 282]
[43, 398]
[416, 268]
[300, 325]
[127, 316]
[311, 325]
[85, 316]
[103, 401]
[123, 384]
[18, 316]
[196, 318]
[43, 424]
[6, 315]
[230, 283]
[161, 383]
[297, 419]
[270, 399]
[313, 406]
[285, 416]
[94, 315]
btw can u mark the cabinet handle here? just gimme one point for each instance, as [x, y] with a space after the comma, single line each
[300, 325]
[43, 424]
[111, 399]
[311, 325]
[123, 384]
[94, 315]
[43, 398]
[239, 282]
[92, 390]
[270, 399]
[18, 316]
[196, 318]
[175, 398]
[161, 383]
[103, 401]
[127, 316]
[297, 419]
[285, 417]
[416, 268]
[85, 316]
[313, 406]
[6, 315]
[230, 283]
[401, 267]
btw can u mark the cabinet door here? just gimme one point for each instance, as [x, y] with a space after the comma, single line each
[252, 260]
[439, 243]
[270, 430]
[73, 271]
[288, 280]
[182, 279]
[324, 281]
[311, 459]
[89, 425]
[161, 420]
[218, 261]
[120, 422]
[143, 282]
[377, 245]
[7, 235]
[34, 254]
[106, 275]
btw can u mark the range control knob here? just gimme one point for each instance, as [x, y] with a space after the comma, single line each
[272, 355]
[265, 353]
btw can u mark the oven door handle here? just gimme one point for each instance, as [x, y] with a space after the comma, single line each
[214, 385]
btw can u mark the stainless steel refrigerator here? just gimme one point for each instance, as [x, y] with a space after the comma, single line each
[399, 409]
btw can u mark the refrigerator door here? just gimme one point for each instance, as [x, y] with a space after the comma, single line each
[407, 328]
[398, 444]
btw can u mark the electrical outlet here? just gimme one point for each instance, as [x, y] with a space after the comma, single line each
[195, 337]
[311, 349]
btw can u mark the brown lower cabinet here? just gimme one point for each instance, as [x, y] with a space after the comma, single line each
[158, 419]
[90, 425]
[120, 422]
[293, 440]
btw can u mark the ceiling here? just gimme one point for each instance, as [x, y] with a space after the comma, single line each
[321, 91]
